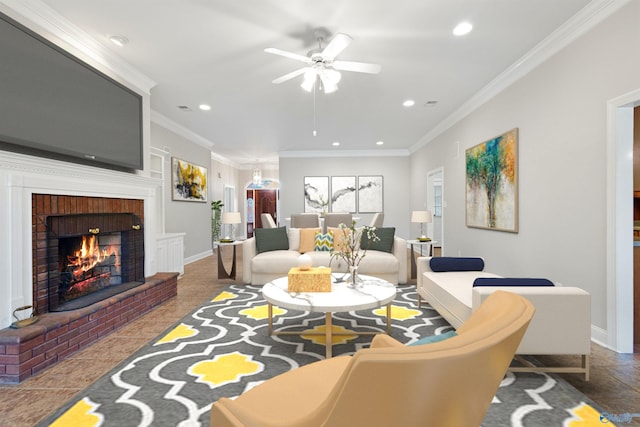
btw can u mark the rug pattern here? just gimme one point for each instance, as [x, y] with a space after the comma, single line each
[223, 349]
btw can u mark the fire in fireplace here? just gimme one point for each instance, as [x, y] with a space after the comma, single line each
[92, 257]
[88, 264]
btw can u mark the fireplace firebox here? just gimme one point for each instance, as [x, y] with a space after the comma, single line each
[92, 257]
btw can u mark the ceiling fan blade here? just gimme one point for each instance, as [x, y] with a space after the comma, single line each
[337, 45]
[289, 76]
[286, 54]
[360, 67]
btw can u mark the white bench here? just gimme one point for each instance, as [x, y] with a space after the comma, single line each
[561, 324]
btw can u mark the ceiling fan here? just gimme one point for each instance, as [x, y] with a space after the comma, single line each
[321, 64]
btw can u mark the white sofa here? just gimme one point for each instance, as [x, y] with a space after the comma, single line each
[260, 268]
[560, 326]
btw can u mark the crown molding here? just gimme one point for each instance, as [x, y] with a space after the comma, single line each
[344, 153]
[169, 124]
[41, 18]
[580, 23]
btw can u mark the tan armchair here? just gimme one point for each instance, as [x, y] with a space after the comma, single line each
[448, 383]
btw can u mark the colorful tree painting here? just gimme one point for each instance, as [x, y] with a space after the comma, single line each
[491, 181]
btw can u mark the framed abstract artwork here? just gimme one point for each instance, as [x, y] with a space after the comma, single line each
[316, 193]
[370, 194]
[492, 183]
[188, 181]
[343, 194]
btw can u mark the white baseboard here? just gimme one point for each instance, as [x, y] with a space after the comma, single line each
[198, 257]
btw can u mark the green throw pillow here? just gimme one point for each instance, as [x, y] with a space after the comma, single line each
[434, 338]
[323, 242]
[385, 244]
[271, 239]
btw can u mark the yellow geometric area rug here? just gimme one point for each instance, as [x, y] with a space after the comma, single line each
[223, 348]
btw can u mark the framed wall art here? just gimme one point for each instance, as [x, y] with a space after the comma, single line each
[316, 193]
[188, 181]
[343, 194]
[492, 183]
[370, 194]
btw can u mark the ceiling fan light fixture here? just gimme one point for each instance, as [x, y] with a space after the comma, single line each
[309, 81]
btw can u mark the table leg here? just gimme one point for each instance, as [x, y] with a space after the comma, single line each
[222, 271]
[388, 318]
[413, 263]
[270, 317]
[328, 335]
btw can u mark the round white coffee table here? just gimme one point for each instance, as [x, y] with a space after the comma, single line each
[372, 293]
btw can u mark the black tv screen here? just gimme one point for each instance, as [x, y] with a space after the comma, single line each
[53, 104]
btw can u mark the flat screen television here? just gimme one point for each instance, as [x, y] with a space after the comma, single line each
[52, 104]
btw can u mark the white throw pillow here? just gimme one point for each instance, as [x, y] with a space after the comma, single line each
[294, 238]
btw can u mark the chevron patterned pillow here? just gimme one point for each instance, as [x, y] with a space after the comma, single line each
[323, 242]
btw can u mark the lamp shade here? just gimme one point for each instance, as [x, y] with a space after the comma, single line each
[421, 216]
[230, 218]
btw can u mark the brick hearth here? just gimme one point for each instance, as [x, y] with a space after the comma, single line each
[25, 352]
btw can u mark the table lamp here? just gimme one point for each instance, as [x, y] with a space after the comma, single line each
[422, 217]
[230, 218]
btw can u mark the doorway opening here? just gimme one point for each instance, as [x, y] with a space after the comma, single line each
[435, 203]
[262, 198]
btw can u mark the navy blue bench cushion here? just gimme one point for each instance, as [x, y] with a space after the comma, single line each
[511, 281]
[442, 264]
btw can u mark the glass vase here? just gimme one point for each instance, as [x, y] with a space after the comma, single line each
[353, 279]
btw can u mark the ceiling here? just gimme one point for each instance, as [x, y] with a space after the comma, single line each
[212, 51]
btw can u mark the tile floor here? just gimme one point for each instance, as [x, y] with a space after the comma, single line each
[615, 378]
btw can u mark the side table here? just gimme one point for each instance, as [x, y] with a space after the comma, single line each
[414, 243]
[222, 271]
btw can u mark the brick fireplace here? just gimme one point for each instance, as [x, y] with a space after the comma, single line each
[34, 191]
[63, 219]
[65, 327]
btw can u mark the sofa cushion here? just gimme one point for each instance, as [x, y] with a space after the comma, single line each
[340, 237]
[294, 238]
[308, 239]
[385, 242]
[442, 264]
[511, 281]
[434, 338]
[323, 242]
[271, 239]
[275, 262]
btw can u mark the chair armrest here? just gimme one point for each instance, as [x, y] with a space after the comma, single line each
[383, 340]
[248, 252]
[422, 264]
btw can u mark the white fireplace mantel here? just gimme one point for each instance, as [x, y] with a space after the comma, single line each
[23, 175]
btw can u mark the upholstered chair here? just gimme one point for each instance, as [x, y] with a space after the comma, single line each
[334, 219]
[377, 220]
[267, 221]
[305, 220]
[446, 383]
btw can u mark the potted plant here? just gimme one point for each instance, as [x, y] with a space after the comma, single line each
[216, 210]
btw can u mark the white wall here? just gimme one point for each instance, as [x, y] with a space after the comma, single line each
[192, 218]
[395, 170]
[560, 110]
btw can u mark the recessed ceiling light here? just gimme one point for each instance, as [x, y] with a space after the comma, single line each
[335, 143]
[184, 108]
[119, 40]
[430, 103]
[462, 28]
[409, 103]
[380, 143]
[205, 107]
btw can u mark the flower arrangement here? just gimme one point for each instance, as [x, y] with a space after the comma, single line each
[347, 247]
